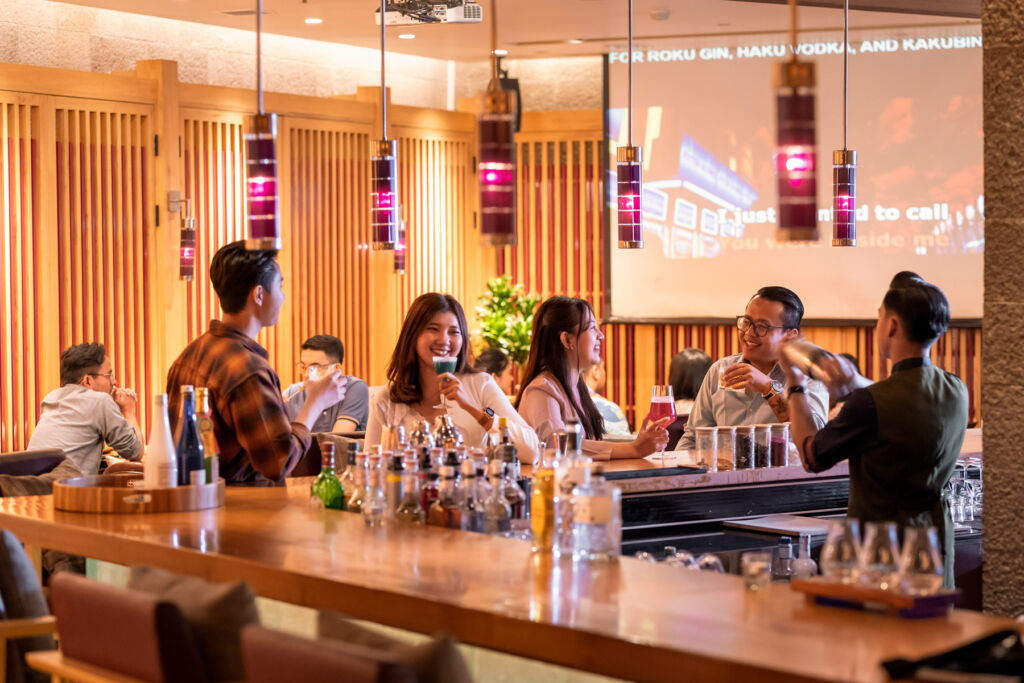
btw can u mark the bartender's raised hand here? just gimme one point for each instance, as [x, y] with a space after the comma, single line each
[324, 392]
[652, 437]
[452, 389]
[746, 376]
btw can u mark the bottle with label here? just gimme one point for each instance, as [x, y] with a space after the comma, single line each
[569, 472]
[327, 489]
[348, 477]
[483, 487]
[393, 483]
[204, 418]
[471, 509]
[804, 566]
[542, 503]
[594, 523]
[506, 451]
[374, 502]
[514, 494]
[497, 514]
[445, 510]
[160, 467]
[354, 502]
[189, 448]
[427, 479]
[410, 509]
[782, 561]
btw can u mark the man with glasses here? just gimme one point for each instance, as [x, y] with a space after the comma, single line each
[88, 410]
[748, 388]
[319, 354]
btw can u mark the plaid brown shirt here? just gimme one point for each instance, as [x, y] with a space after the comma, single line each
[249, 418]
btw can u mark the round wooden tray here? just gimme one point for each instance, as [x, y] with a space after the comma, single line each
[124, 493]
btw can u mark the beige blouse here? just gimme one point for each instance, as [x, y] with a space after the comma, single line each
[546, 408]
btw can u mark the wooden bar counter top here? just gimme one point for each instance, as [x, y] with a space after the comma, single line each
[630, 619]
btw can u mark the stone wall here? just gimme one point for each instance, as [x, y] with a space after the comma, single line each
[1002, 360]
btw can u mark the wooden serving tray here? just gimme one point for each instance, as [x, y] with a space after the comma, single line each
[855, 596]
[122, 493]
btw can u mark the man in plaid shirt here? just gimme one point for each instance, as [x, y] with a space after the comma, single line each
[257, 441]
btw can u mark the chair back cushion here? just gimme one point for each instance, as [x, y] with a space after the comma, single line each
[128, 632]
[675, 431]
[273, 656]
[32, 463]
[21, 597]
[217, 613]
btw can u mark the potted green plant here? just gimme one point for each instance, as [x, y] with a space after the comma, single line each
[505, 314]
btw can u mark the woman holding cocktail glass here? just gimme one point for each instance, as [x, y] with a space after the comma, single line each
[566, 342]
[428, 377]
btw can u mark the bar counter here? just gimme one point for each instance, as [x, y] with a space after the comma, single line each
[629, 619]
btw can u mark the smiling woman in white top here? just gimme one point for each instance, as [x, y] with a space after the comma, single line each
[436, 326]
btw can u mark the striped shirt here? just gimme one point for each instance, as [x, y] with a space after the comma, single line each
[256, 439]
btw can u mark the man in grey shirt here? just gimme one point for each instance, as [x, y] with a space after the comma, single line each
[748, 388]
[319, 354]
[87, 411]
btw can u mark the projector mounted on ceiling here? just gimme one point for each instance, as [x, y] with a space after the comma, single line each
[403, 12]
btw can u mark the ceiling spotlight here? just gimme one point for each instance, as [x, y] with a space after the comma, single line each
[406, 36]
[500, 53]
[575, 41]
[314, 20]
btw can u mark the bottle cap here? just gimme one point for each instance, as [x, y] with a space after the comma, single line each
[502, 422]
[451, 459]
[395, 463]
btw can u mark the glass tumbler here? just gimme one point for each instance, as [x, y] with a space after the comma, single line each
[707, 447]
[880, 555]
[840, 557]
[762, 445]
[920, 563]
[726, 448]
[779, 447]
[743, 448]
[756, 568]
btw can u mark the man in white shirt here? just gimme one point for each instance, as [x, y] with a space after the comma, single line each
[88, 410]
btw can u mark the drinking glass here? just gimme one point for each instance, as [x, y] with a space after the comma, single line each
[762, 445]
[756, 568]
[645, 556]
[920, 562]
[974, 474]
[442, 365]
[879, 556]
[840, 555]
[709, 562]
[662, 405]
[743, 447]
[707, 447]
[679, 558]
[726, 448]
[779, 446]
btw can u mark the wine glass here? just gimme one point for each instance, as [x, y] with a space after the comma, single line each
[879, 556]
[443, 365]
[645, 556]
[920, 564]
[662, 405]
[840, 555]
[680, 558]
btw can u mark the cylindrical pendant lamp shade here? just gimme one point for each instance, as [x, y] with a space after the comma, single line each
[844, 198]
[795, 156]
[261, 183]
[629, 186]
[187, 250]
[383, 196]
[497, 169]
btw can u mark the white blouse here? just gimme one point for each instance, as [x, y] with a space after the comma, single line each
[483, 392]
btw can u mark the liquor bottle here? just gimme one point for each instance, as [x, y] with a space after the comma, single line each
[445, 510]
[421, 436]
[354, 503]
[447, 434]
[393, 483]
[803, 566]
[506, 450]
[542, 503]
[497, 514]
[782, 561]
[427, 479]
[570, 470]
[471, 509]
[348, 476]
[483, 487]
[190, 444]
[594, 524]
[514, 494]
[374, 502]
[327, 489]
[160, 467]
[410, 509]
[204, 418]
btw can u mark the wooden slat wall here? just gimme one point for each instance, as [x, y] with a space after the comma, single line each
[561, 251]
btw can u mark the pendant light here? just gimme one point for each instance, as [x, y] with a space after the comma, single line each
[401, 246]
[496, 171]
[844, 162]
[796, 151]
[383, 175]
[628, 171]
[261, 165]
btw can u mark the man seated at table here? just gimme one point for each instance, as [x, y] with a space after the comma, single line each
[747, 388]
[320, 353]
[88, 410]
[257, 440]
[902, 435]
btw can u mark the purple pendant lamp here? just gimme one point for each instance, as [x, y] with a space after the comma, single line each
[261, 164]
[844, 163]
[383, 171]
[628, 172]
[496, 171]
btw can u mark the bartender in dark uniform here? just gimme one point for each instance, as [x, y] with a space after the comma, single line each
[902, 435]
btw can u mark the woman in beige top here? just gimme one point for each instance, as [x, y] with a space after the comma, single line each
[566, 341]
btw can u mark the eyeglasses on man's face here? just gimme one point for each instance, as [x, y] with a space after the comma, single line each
[108, 375]
[745, 323]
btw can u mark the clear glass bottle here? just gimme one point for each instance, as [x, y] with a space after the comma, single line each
[204, 419]
[189, 448]
[514, 494]
[506, 449]
[471, 509]
[483, 487]
[803, 566]
[427, 478]
[782, 561]
[374, 502]
[570, 469]
[327, 490]
[542, 503]
[420, 437]
[160, 466]
[445, 510]
[393, 483]
[497, 514]
[410, 510]
[447, 434]
[593, 526]
[348, 476]
[354, 503]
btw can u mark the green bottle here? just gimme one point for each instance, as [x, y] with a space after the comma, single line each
[327, 489]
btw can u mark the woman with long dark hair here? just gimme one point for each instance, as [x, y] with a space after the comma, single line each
[685, 374]
[435, 325]
[566, 342]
